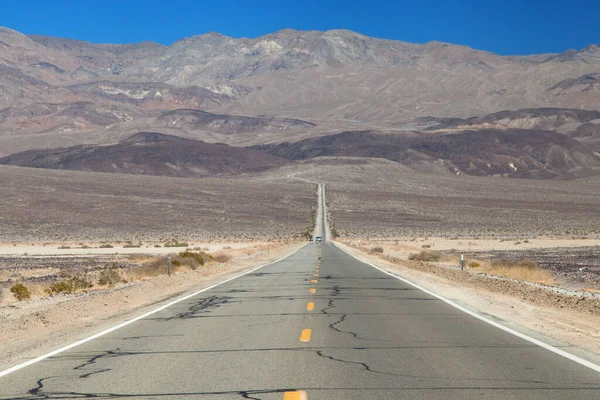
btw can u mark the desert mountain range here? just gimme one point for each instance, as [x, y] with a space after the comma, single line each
[297, 95]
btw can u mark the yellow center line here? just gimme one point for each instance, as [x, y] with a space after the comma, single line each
[315, 274]
[305, 335]
[299, 395]
[310, 306]
[314, 281]
[313, 290]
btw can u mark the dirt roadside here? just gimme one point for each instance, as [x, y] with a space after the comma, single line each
[29, 329]
[569, 322]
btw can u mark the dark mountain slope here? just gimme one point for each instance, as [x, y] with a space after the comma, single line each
[152, 154]
[512, 152]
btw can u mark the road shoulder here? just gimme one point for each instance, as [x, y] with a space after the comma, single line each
[519, 307]
[35, 328]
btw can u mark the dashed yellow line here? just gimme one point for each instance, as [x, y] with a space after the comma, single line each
[313, 290]
[310, 306]
[305, 335]
[315, 274]
[299, 395]
[314, 281]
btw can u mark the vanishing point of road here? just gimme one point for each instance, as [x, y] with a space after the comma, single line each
[319, 325]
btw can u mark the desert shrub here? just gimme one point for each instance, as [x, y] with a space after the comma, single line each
[106, 246]
[524, 270]
[426, 255]
[20, 292]
[64, 247]
[377, 249]
[176, 244]
[474, 264]
[426, 246]
[222, 258]
[130, 245]
[71, 285]
[200, 257]
[110, 276]
[334, 233]
[176, 263]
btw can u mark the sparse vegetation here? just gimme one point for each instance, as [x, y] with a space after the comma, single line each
[110, 276]
[71, 285]
[474, 264]
[106, 246]
[524, 270]
[176, 244]
[200, 257]
[426, 255]
[222, 258]
[377, 249]
[20, 292]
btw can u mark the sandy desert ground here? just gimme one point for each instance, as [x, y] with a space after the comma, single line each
[39, 206]
[378, 198]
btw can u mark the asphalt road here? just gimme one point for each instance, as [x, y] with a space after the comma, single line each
[372, 337]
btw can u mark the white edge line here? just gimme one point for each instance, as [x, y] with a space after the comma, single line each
[131, 321]
[537, 342]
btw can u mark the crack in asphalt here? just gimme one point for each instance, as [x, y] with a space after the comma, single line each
[329, 305]
[203, 306]
[245, 394]
[366, 367]
[339, 321]
[362, 364]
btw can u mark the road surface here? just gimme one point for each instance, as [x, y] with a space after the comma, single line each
[318, 321]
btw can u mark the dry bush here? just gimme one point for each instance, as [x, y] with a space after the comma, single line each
[156, 266]
[176, 244]
[72, 285]
[525, 270]
[377, 249]
[20, 292]
[110, 276]
[474, 264]
[425, 255]
[222, 258]
[200, 257]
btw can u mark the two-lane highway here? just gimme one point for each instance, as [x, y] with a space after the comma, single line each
[318, 321]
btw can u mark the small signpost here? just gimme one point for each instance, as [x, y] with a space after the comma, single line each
[462, 262]
[169, 265]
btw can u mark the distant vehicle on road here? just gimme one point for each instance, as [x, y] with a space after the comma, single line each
[318, 239]
[310, 239]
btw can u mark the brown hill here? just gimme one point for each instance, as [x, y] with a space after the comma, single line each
[152, 154]
[512, 152]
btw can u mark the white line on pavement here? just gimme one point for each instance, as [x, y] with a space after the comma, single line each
[131, 321]
[544, 345]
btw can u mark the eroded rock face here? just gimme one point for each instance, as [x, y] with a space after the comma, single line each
[292, 85]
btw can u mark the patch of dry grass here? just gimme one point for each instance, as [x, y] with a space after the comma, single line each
[426, 255]
[523, 270]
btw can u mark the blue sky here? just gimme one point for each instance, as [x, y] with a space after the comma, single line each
[505, 27]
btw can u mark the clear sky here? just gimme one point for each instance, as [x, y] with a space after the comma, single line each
[501, 26]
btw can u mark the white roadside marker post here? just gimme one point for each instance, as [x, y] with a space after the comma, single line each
[169, 265]
[462, 262]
